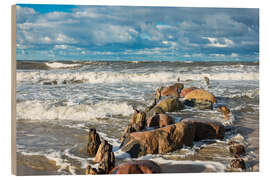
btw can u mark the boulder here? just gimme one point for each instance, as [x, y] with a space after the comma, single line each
[237, 149]
[137, 167]
[200, 95]
[185, 91]
[170, 105]
[199, 105]
[159, 141]
[94, 142]
[154, 111]
[159, 120]
[238, 163]
[107, 162]
[206, 129]
[103, 147]
[138, 120]
[173, 90]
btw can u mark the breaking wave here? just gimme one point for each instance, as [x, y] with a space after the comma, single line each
[118, 77]
[36, 110]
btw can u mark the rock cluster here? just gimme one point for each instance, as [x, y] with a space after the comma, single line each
[103, 153]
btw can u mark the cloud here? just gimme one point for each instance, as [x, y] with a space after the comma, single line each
[121, 31]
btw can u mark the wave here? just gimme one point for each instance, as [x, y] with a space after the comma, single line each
[37, 110]
[118, 77]
[56, 65]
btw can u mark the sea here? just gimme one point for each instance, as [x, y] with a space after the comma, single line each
[57, 102]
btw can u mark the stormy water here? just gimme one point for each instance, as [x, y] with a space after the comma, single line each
[57, 102]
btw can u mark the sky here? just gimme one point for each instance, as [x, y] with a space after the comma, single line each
[69, 32]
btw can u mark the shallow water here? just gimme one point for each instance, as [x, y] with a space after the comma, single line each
[58, 102]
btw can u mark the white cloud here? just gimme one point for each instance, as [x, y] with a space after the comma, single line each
[219, 42]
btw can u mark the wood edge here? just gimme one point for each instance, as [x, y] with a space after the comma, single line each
[13, 91]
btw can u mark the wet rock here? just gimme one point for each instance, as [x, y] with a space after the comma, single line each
[159, 141]
[199, 105]
[207, 81]
[94, 142]
[128, 129]
[91, 171]
[50, 83]
[200, 95]
[103, 148]
[107, 162]
[238, 163]
[237, 149]
[137, 167]
[170, 105]
[158, 93]
[206, 129]
[136, 123]
[185, 91]
[173, 90]
[159, 120]
[138, 120]
[225, 111]
[154, 111]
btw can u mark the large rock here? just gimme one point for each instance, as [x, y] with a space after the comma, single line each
[138, 120]
[103, 148]
[154, 111]
[206, 129]
[173, 90]
[137, 167]
[136, 123]
[94, 142]
[170, 105]
[159, 141]
[159, 120]
[199, 104]
[200, 95]
[107, 162]
[185, 91]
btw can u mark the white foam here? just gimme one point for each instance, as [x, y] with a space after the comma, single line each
[118, 77]
[61, 65]
[37, 110]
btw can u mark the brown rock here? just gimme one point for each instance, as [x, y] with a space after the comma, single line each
[155, 110]
[173, 90]
[207, 81]
[237, 149]
[159, 141]
[159, 120]
[200, 95]
[103, 147]
[91, 171]
[238, 163]
[138, 120]
[185, 91]
[206, 129]
[137, 167]
[107, 162]
[170, 105]
[94, 142]
[225, 111]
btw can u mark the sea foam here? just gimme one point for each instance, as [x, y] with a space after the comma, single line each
[37, 110]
